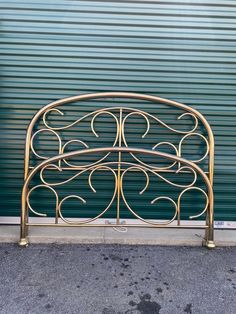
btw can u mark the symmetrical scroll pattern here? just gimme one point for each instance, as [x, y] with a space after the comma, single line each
[121, 116]
[119, 169]
[72, 162]
[111, 167]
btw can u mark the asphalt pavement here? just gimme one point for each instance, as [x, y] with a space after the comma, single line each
[116, 279]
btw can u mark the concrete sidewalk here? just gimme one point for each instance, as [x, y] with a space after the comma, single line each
[188, 237]
[116, 279]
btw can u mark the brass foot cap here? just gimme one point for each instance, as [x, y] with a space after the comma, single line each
[23, 242]
[210, 244]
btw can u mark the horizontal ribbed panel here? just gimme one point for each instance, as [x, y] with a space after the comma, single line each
[181, 50]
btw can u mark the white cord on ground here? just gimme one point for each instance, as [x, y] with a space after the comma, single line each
[118, 229]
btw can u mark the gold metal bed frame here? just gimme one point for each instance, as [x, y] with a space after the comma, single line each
[119, 167]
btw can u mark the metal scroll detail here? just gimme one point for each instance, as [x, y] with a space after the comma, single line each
[119, 160]
[120, 115]
[119, 190]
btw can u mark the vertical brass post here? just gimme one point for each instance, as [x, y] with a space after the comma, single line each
[24, 214]
[209, 234]
[119, 171]
[24, 210]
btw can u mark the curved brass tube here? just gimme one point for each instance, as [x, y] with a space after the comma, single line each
[62, 157]
[196, 168]
[121, 95]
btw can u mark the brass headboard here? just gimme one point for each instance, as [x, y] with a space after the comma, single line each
[119, 159]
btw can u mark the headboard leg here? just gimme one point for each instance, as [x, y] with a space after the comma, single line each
[209, 237]
[24, 219]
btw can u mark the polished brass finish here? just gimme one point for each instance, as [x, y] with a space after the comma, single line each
[23, 242]
[120, 167]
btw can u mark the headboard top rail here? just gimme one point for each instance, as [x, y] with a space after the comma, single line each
[120, 123]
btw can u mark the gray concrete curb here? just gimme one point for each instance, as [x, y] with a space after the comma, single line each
[182, 237]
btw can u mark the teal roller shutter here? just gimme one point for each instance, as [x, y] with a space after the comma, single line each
[181, 50]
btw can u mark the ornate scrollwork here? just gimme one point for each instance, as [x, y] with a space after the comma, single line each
[173, 169]
[119, 185]
[197, 189]
[45, 131]
[187, 187]
[120, 116]
[62, 147]
[45, 186]
[201, 137]
[51, 185]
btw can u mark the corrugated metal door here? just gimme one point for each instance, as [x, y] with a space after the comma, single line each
[182, 50]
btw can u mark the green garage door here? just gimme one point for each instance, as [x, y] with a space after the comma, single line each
[181, 50]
